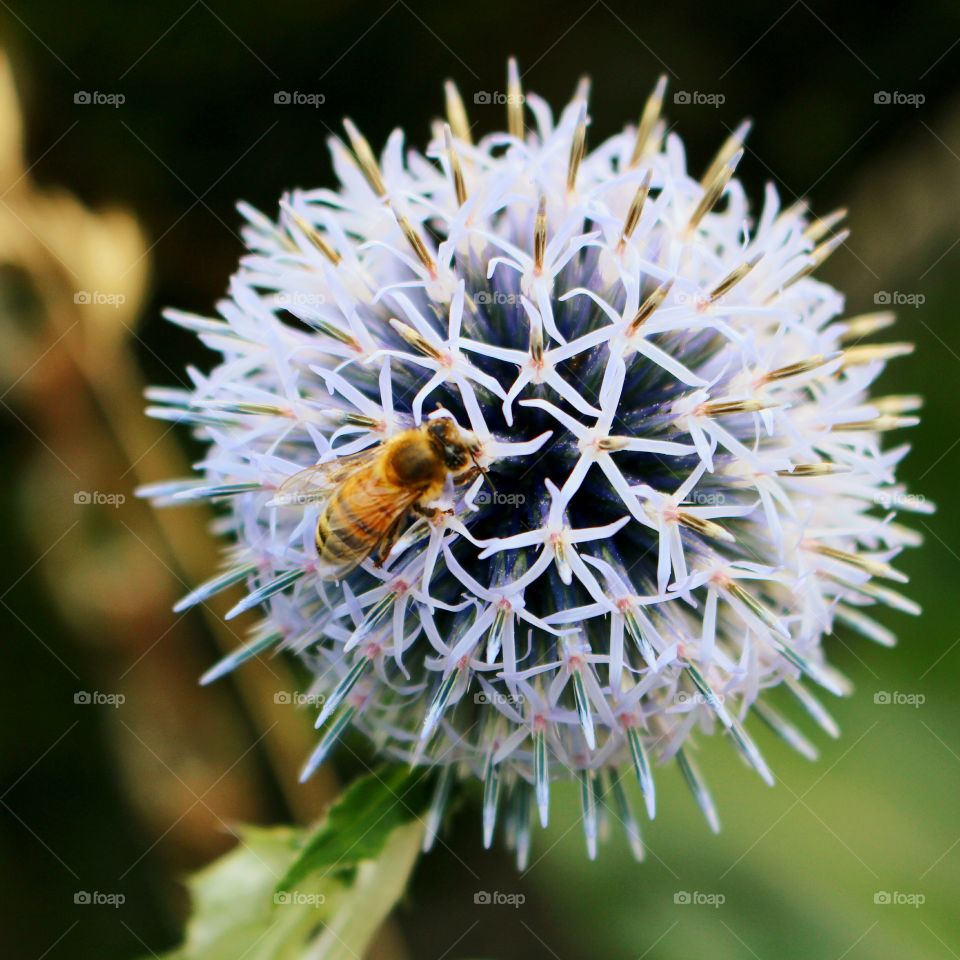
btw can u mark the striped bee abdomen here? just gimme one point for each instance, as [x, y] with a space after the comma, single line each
[357, 518]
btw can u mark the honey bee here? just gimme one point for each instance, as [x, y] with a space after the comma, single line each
[368, 496]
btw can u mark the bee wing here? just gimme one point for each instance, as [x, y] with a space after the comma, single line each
[374, 511]
[314, 484]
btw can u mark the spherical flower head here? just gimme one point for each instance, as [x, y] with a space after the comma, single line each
[676, 490]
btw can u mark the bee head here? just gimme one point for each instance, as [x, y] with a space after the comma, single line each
[447, 440]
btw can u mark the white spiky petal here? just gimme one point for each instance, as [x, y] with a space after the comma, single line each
[688, 482]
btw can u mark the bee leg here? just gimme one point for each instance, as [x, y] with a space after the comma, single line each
[430, 513]
[389, 539]
[467, 476]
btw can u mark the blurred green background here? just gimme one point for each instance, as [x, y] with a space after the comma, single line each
[126, 799]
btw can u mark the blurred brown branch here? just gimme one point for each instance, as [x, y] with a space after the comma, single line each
[73, 282]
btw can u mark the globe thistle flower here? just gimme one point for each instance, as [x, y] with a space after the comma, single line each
[684, 487]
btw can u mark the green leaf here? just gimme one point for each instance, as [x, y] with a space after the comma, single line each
[357, 826]
[236, 912]
[290, 894]
[339, 880]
